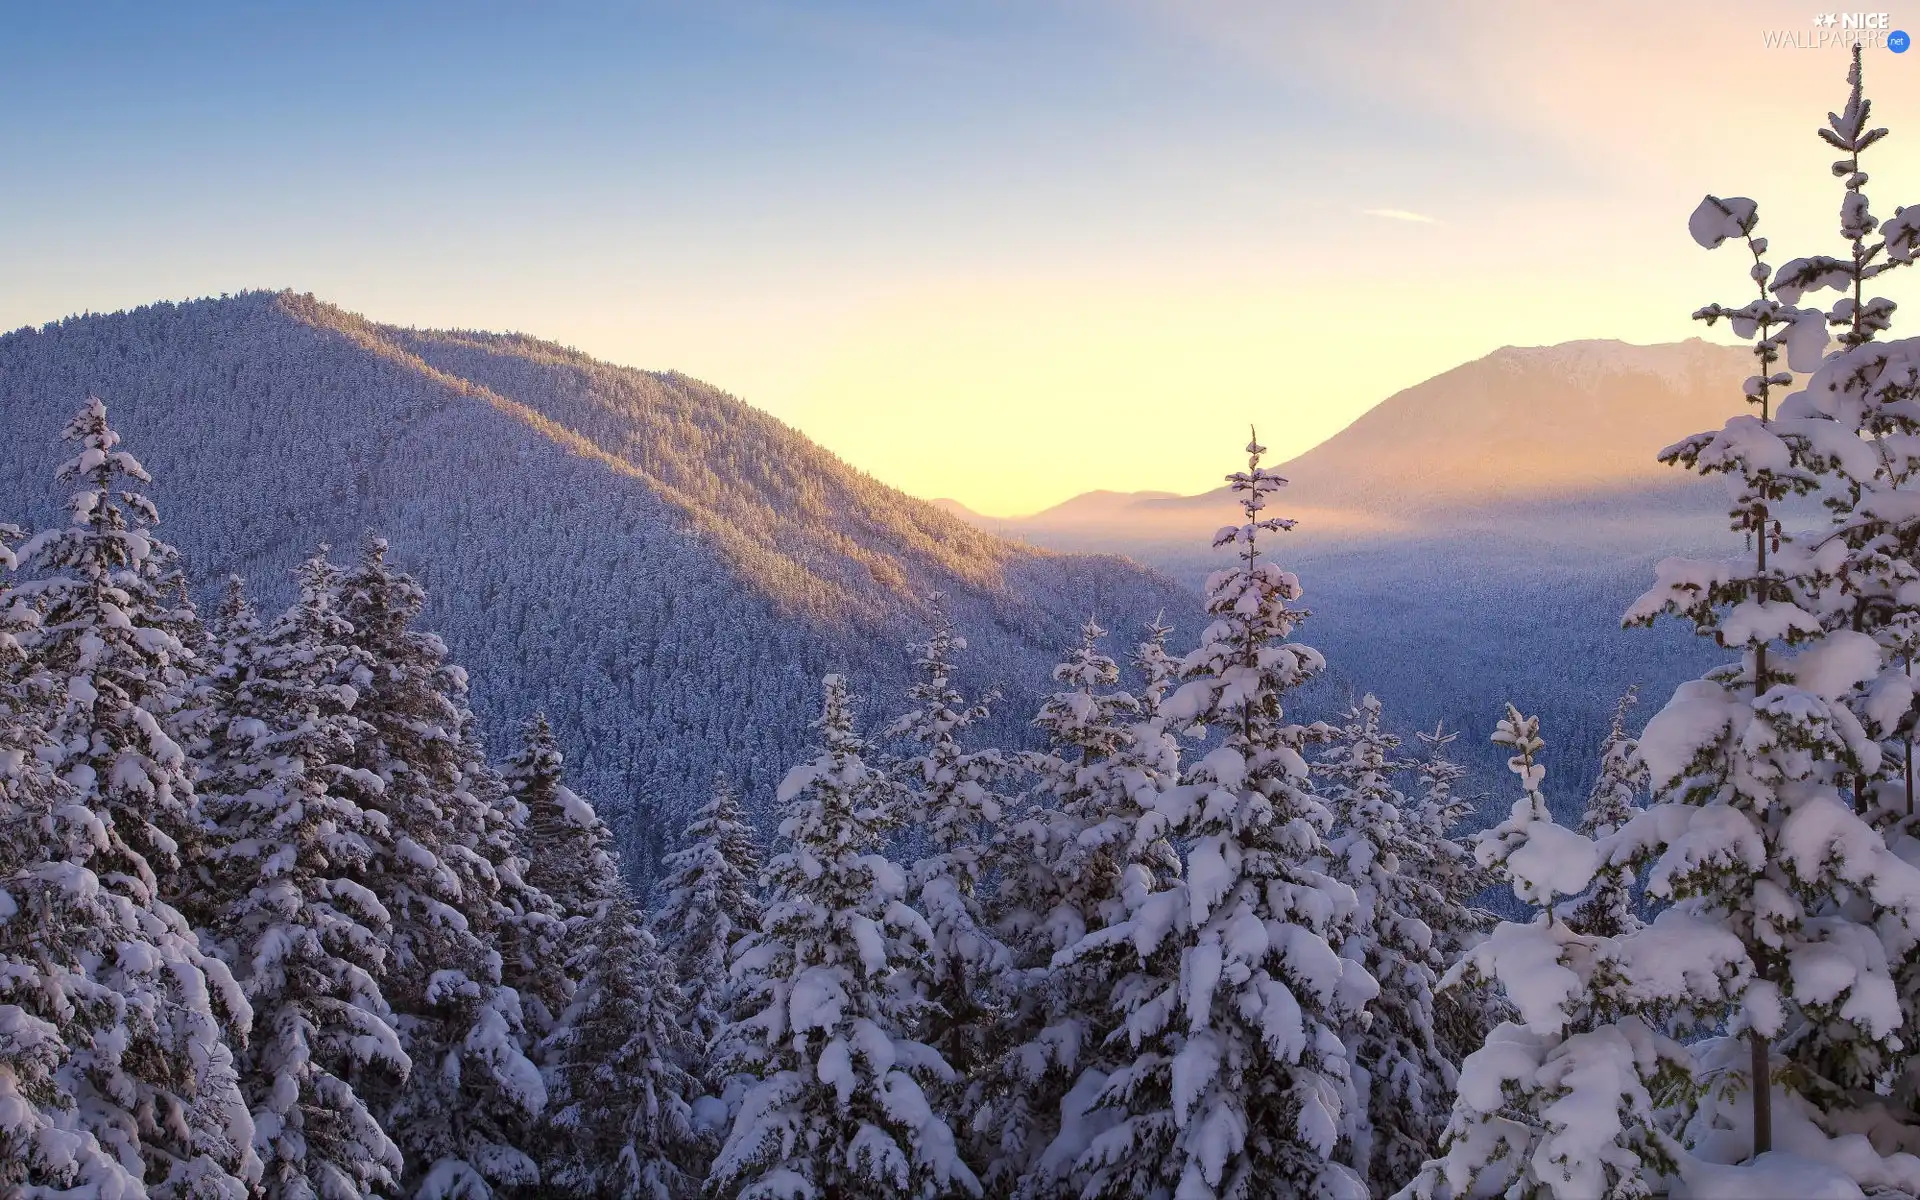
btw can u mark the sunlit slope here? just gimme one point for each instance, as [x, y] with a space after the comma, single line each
[1525, 425]
[796, 521]
[1544, 430]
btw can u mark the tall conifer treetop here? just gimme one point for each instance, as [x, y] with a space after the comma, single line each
[1403, 1079]
[154, 1079]
[1762, 771]
[840, 1103]
[949, 791]
[107, 639]
[296, 836]
[55, 921]
[467, 1118]
[1238, 1078]
[709, 901]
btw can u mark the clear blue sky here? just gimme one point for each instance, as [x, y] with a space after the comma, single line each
[1087, 240]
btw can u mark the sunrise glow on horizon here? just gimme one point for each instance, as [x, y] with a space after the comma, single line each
[1087, 244]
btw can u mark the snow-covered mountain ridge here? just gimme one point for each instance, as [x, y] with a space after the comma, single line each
[1524, 428]
[664, 569]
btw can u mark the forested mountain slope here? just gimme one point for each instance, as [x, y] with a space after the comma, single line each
[662, 568]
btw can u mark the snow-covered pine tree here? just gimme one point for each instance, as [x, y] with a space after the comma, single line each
[562, 878]
[1109, 754]
[1452, 868]
[1145, 764]
[295, 834]
[1040, 858]
[1061, 866]
[108, 639]
[54, 922]
[230, 639]
[838, 1105]
[1561, 1103]
[1403, 1080]
[1866, 387]
[710, 899]
[225, 663]
[1862, 395]
[1607, 909]
[1756, 767]
[1465, 1012]
[1159, 668]
[951, 800]
[573, 860]
[466, 1119]
[619, 1110]
[1237, 1078]
[158, 1085]
[191, 720]
[569, 847]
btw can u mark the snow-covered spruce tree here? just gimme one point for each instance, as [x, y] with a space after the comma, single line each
[190, 722]
[558, 889]
[572, 860]
[224, 664]
[1145, 764]
[554, 859]
[1038, 910]
[1237, 1082]
[523, 925]
[295, 834]
[1607, 909]
[1561, 1103]
[1403, 1080]
[1467, 1011]
[1867, 388]
[1862, 395]
[157, 1085]
[951, 800]
[1755, 768]
[1062, 866]
[465, 1119]
[54, 923]
[108, 639]
[620, 1118]
[710, 898]
[838, 1105]
[229, 651]
[1109, 754]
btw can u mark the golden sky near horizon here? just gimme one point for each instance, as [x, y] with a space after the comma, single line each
[1579, 139]
[1000, 252]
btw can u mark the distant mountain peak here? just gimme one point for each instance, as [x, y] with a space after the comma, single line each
[1519, 425]
[1587, 360]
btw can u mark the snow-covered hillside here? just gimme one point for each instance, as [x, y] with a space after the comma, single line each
[662, 568]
